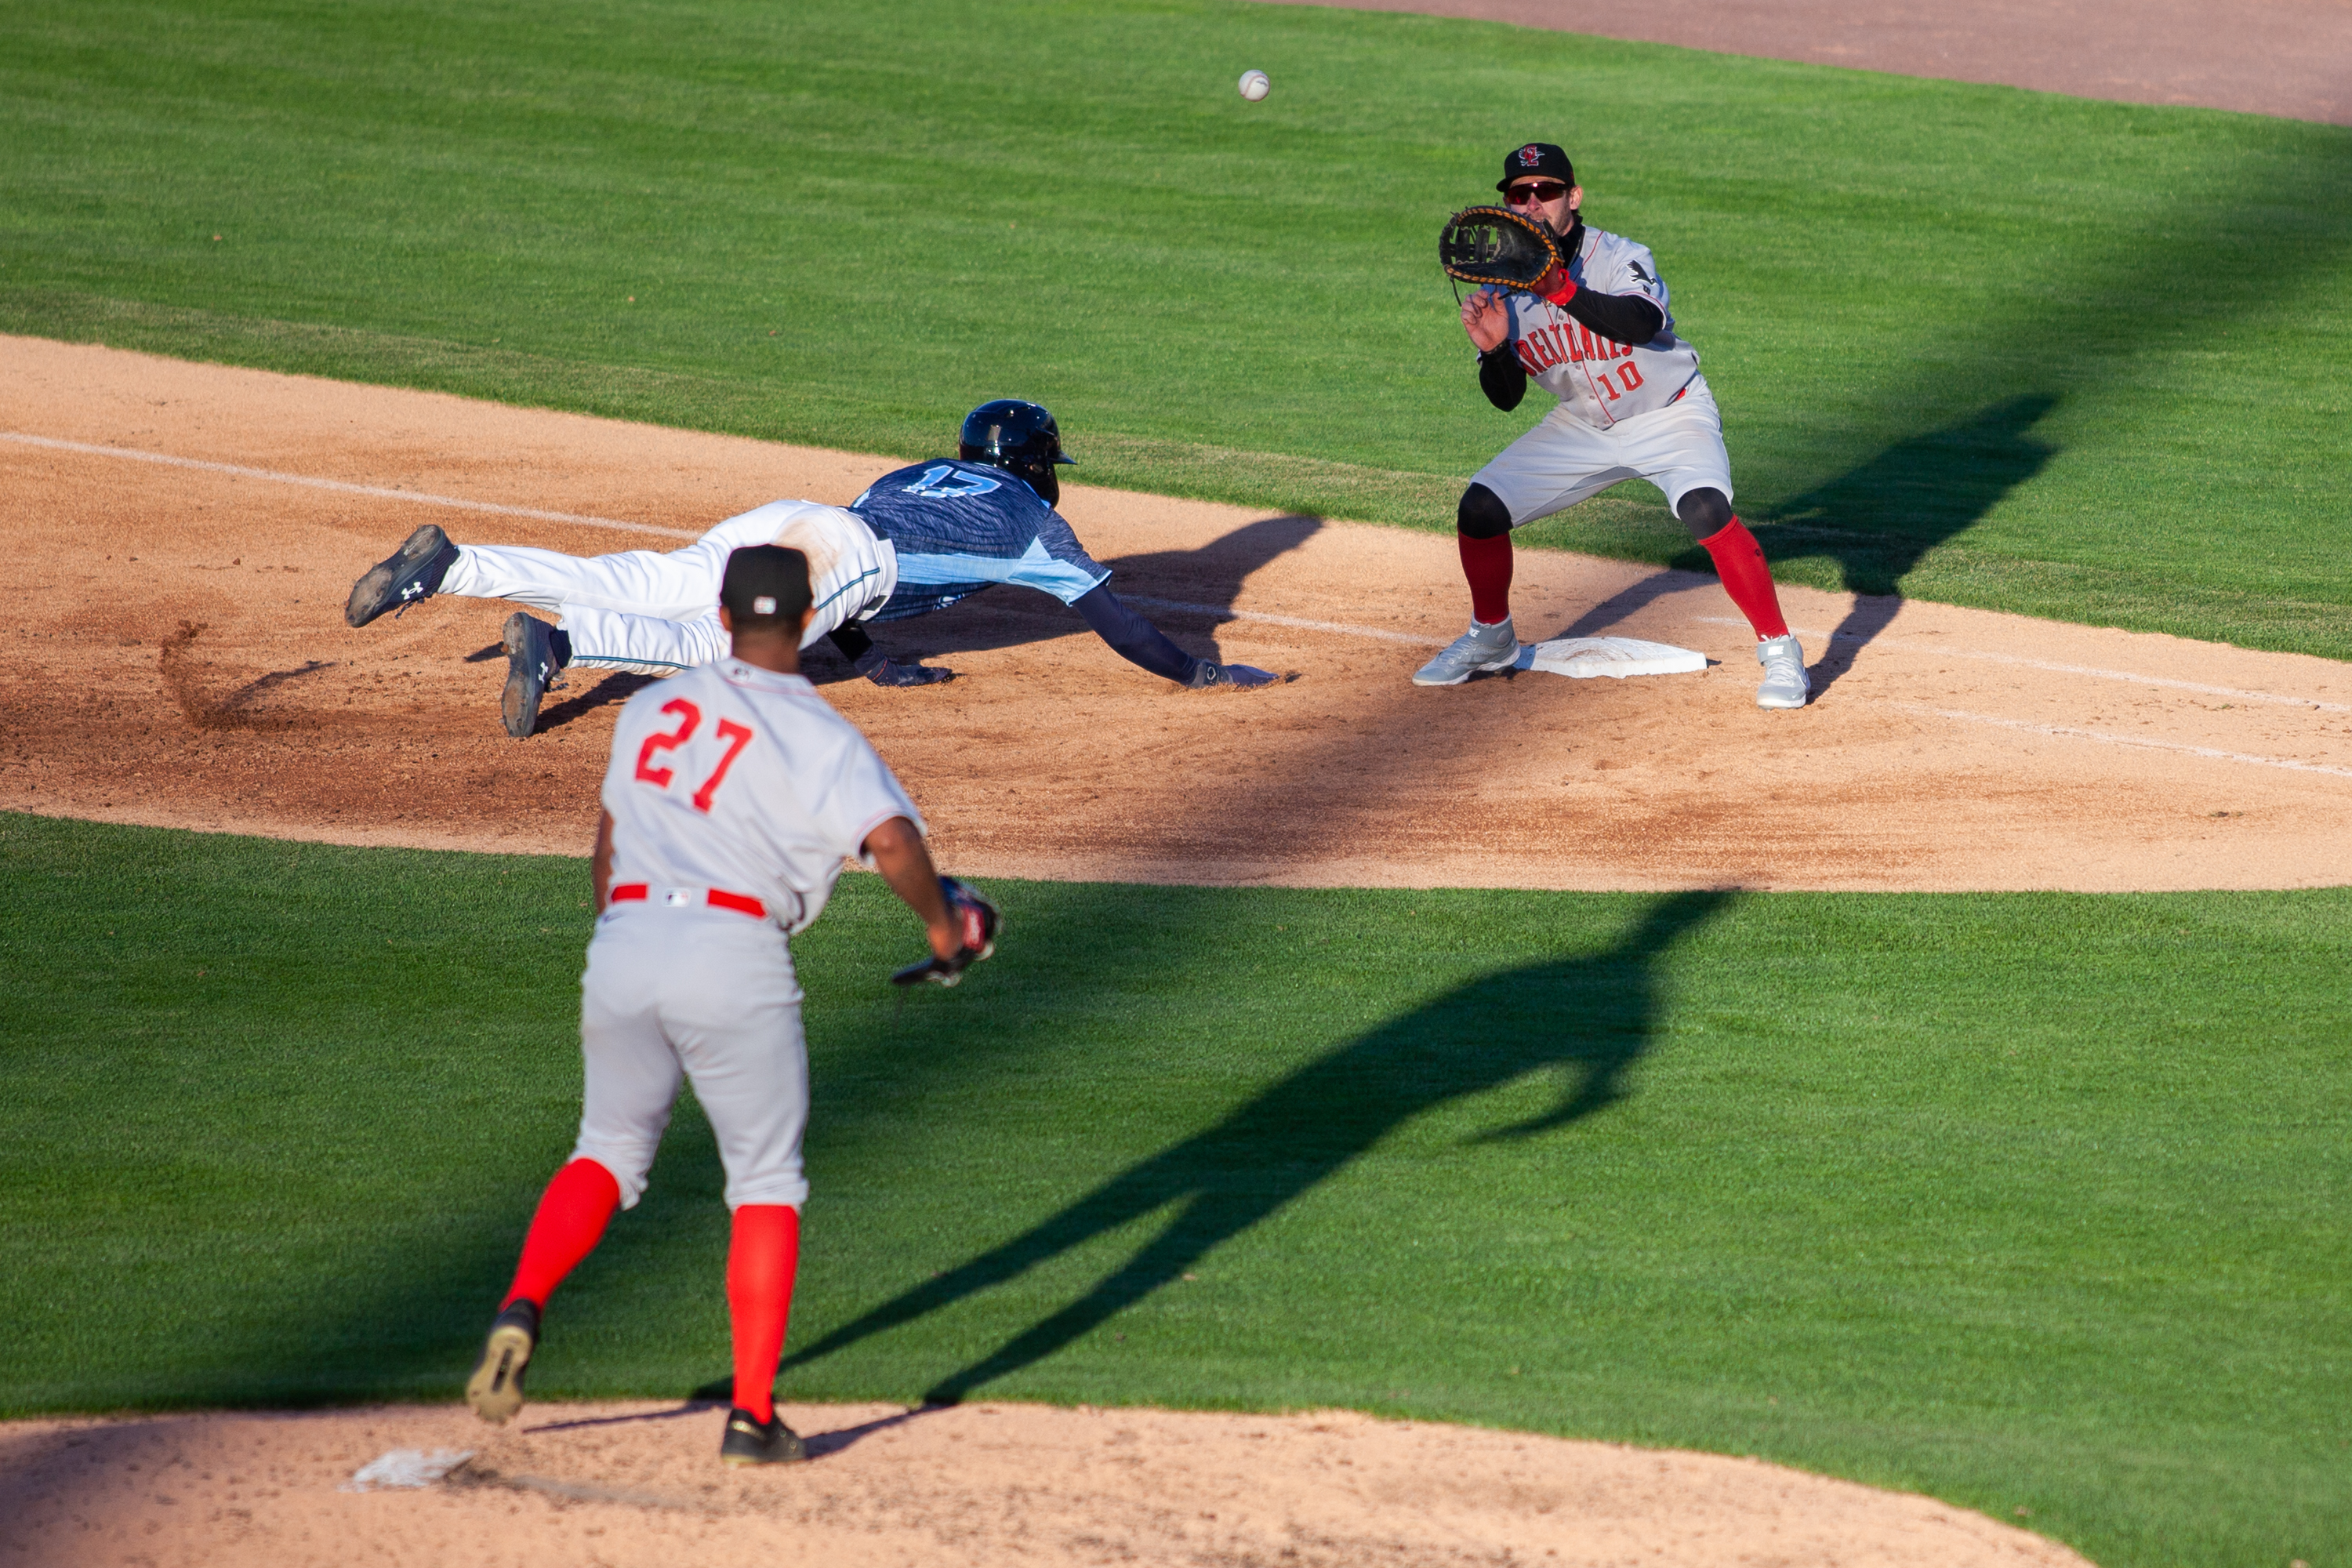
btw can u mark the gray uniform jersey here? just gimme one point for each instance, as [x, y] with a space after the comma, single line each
[1598, 381]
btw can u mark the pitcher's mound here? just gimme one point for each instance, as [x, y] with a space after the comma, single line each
[976, 1483]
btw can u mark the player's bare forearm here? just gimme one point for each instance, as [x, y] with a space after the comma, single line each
[601, 862]
[899, 854]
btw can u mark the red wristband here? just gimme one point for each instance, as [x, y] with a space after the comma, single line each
[1566, 291]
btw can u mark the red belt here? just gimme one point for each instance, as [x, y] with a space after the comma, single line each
[683, 898]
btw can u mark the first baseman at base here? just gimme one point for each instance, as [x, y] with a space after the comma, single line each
[1599, 336]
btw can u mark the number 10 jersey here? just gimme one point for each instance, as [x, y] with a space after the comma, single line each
[1598, 381]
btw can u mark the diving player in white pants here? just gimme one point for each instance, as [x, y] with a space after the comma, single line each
[918, 540]
[656, 612]
[653, 612]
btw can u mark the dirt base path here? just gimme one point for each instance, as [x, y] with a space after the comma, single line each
[980, 1484]
[2287, 57]
[176, 654]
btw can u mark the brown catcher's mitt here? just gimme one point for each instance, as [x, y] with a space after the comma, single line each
[1498, 247]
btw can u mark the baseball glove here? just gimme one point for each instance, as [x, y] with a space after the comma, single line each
[1498, 247]
[976, 922]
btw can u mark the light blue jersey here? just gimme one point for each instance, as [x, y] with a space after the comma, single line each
[960, 527]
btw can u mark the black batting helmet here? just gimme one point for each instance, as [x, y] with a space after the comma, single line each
[1019, 438]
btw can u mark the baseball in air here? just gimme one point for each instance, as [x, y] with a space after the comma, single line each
[1255, 86]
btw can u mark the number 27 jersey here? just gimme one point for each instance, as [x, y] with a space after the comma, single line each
[738, 778]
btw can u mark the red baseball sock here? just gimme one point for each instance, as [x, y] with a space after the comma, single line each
[571, 1221]
[760, 1263]
[1487, 564]
[1740, 562]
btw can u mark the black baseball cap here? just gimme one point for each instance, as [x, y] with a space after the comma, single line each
[765, 583]
[1535, 160]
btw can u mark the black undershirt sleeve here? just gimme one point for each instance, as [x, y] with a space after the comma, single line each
[1620, 318]
[1502, 377]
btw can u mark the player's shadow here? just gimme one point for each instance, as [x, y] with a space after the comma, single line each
[1178, 590]
[1878, 519]
[1586, 1019]
[1633, 599]
[618, 687]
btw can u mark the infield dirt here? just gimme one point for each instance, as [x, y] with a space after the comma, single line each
[1023, 1486]
[178, 657]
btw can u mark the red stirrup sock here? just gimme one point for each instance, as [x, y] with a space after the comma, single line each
[765, 1254]
[571, 1221]
[1487, 564]
[1740, 562]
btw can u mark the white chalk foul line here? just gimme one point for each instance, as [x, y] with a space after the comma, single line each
[460, 503]
[2069, 732]
[341, 486]
[2074, 669]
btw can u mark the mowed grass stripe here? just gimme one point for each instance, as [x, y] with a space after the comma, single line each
[1998, 348]
[2027, 1201]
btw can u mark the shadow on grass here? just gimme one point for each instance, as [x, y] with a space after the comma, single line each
[1589, 1018]
[2263, 227]
[1936, 486]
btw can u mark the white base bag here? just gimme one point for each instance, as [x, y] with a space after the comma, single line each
[1582, 658]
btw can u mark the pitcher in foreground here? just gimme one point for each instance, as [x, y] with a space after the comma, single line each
[733, 794]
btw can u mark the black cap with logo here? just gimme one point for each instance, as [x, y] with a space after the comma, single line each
[1536, 160]
[765, 583]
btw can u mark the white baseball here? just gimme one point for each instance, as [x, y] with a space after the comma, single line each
[1254, 85]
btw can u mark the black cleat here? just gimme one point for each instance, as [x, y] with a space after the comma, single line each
[889, 672]
[751, 1441]
[532, 663]
[1241, 676]
[411, 572]
[495, 1391]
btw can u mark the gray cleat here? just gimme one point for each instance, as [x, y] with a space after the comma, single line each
[411, 572]
[1786, 684]
[532, 666]
[1479, 648]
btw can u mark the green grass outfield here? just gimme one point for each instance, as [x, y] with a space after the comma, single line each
[2077, 359]
[2026, 1201]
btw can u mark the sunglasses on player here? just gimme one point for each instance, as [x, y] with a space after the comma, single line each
[1535, 191]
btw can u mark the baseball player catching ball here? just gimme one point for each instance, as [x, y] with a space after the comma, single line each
[1598, 335]
[732, 795]
[917, 540]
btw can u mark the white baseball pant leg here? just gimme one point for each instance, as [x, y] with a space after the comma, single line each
[656, 611]
[1563, 460]
[706, 994]
[674, 584]
[608, 639]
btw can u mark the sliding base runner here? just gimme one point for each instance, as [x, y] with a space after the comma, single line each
[733, 794]
[918, 540]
